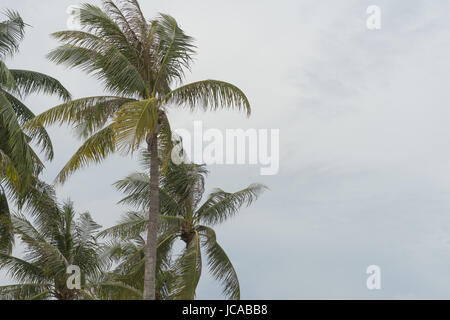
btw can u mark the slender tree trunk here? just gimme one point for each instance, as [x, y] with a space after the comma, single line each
[150, 252]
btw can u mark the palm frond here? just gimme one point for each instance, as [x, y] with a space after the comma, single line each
[123, 19]
[135, 16]
[40, 202]
[35, 82]
[220, 265]
[188, 268]
[130, 226]
[130, 256]
[209, 95]
[86, 114]
[40, 251]
[134, 122]
[130, 18]
[6, 228]
[114, 291]
[25, 291]
[137, 188]
[222, 205]
[38, 134]
[8, 171]
[175, 49]
[17, 142]
[86, 230]
[7, 80]
[106, 24]
[11, 33]
[106, 53]
[94, 150]
[21, 270]
[185, 183]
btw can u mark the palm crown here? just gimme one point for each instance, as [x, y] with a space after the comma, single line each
[139, 61]
[53, 242]
[183, 217]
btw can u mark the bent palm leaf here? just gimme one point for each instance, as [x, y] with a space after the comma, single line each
[209, 94]
[188, 269]
[220, 265]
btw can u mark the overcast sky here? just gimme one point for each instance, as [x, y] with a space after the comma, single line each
[365, 164]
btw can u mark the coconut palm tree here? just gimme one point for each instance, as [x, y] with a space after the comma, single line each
[183, 217]
[142, 64]
[19, 164]
[53, 242]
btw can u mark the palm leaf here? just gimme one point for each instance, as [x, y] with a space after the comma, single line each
[11, 33]
[96, 21]
[134, 122]
[22, 270]
[40, 251]
[222, 205]
[130, 226]
[9, 172]
[7, 80]
[115, 291]
[94, 53]
[6, 229]
[122, 17]
[188, 268]
[38, 134]
[25, 291]
[175, 49]
[137, 187]
[220, 265]
[20, 152]
[86, 114]
[94, 150]
[209, 94]
[34, 82]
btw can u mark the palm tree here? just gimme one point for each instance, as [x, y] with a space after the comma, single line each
[19, 164]
[53, 243]
[142, 63]
[184, 218]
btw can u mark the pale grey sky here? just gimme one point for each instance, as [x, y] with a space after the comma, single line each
[365, 163]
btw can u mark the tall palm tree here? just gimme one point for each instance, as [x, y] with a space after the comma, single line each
[53, 243]
[183, 217]
[142, 63]
[19, 164]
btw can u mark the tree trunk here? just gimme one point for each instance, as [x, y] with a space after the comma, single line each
[150, 252]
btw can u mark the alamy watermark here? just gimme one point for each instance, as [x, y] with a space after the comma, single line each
[234, 146]
[374, 19]
[74, 280]
[374, 280]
